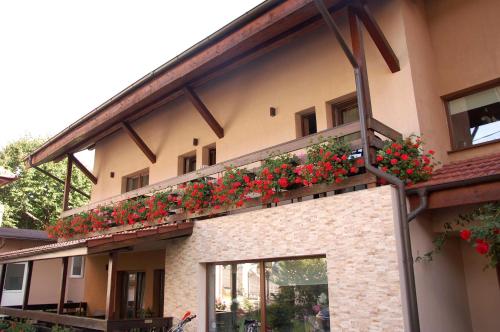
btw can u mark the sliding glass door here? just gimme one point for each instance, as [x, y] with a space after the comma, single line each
[292, 295]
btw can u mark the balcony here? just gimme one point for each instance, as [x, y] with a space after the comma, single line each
[377, 131]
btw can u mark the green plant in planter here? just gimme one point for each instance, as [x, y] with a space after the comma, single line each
[481, 229]
[60, 328]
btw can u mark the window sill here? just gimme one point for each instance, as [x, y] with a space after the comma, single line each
[474, 146]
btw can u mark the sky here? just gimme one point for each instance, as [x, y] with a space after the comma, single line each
[60, 59]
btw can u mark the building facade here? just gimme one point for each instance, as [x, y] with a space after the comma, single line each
[332, 258]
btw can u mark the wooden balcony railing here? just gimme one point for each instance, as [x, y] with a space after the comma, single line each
[375, 130]
[42, 313]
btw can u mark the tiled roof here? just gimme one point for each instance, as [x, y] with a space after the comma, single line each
[475, 168]
[25, 234]
[100, 240]
[6, 176]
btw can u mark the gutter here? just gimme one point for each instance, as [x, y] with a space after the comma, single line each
[403, 232]
[423, 192]
[237, 23]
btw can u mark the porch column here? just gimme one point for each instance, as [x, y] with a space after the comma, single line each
[67, 184]
[111, 287]
[28, 286]
[2, 280]
[62, 290]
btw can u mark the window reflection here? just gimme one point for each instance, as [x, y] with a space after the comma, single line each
[295, 296]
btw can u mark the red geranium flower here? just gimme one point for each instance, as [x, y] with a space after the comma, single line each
[283, 182]
[482, 247]
[465, 234]
[404, 156]
[394, 161]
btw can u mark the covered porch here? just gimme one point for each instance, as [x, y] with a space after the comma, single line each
[122, 284]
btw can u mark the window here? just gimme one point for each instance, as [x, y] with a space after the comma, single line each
[306, 122]
[136, 180]
[345, 111]
[209, 155]
[292, 295]
[212, 156]
[14, 277]
[189, 164]
[77, 266]
[474, 117]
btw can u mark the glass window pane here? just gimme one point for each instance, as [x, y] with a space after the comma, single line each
[235, 297]
[14, 277]
[297, 295]
[475, 118]
[77, 268]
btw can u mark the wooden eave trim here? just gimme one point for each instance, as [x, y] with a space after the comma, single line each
[277, 20]
[473, 194]
[48, 254]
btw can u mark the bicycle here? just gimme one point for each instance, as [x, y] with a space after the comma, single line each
[184, 320]
[251, 325]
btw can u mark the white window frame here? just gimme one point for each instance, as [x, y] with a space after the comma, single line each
[71, 275]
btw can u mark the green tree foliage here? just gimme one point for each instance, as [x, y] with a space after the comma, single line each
[35, 200]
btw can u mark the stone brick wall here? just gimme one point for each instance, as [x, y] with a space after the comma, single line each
[355, 231]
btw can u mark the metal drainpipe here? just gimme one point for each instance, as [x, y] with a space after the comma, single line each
[403, 235]
[404, 230]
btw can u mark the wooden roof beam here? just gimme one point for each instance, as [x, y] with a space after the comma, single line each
[204, 112]
[138, 140]
[84, 169]
[378, 37]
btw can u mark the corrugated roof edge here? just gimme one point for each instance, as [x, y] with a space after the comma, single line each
[228, 28]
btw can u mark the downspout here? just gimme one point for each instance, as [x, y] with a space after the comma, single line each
[403, 236]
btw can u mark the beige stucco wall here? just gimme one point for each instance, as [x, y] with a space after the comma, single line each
[357, 241]
[482, 290]
[452, 45]
[46, 280]
[307, 73]
[97, 274]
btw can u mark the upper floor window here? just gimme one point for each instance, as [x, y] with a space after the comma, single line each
[136, 180]
[306, 122]
[474, 117]
[344, 112]
[209, 155]
[189, 164]
[77, 264]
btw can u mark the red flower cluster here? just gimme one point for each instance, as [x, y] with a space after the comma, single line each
[331, 161]
[481, 245]
[406, 160]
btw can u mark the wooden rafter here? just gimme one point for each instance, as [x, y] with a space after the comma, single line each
[84, 169]
[268, 26]
[377, 35]
[204, 112]
[140, 143]
[67, 184]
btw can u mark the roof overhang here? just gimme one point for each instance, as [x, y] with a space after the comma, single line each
[254, 34]
[99, 244]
